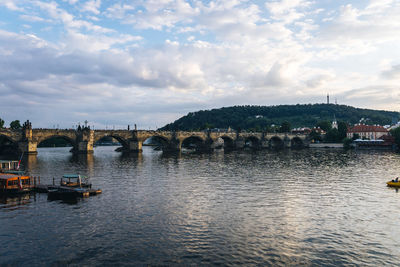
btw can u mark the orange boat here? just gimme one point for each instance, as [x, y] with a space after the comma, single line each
[14, 183]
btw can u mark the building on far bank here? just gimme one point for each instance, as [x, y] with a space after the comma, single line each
[371, 132]
[301, 130]
[385, 142]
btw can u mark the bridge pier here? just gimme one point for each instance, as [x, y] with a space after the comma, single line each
[84, 141]
[240, 143]
[135, 146]
[84, 147]
[286, 142]
[28, 147]
[264, 143]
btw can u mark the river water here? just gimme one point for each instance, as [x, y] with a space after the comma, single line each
[306, 207]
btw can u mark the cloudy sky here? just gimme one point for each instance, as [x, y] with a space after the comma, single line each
[122, 62]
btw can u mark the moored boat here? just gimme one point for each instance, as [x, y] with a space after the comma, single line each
[15, 183]
[75, 180]
[9, 166]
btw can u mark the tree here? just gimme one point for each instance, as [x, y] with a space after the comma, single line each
[314, 135]
[356, 136]
[347, 143]
[1, 123]
[285, 127]
[332, 135]
[342, 129]
[396, 134]
[324, 125]
[15, 125]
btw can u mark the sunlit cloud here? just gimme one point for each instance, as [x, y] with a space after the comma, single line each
[121, 61]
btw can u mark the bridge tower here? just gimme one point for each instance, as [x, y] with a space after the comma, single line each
[85, 140]
[27, 145]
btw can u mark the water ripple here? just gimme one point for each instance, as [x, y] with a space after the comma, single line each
[285, 208]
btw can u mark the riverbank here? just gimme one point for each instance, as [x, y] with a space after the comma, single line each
[326, 145]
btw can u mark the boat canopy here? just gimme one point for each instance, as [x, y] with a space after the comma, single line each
[73, 176]
[16, 172]
[9, 176]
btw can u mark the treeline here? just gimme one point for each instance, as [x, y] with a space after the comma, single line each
[267, 118]
[14, 125]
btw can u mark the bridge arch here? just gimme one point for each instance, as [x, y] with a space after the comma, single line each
[124, 143]
[8, 145]
[252, 142]
[193, 142]
[160, 142]
[229, 143]
[6, 138]
[276, 143]
[55, 136]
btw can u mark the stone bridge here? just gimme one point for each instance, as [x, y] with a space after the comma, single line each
[82, 140]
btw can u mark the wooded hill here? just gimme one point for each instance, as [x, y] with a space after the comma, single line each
[262, 117]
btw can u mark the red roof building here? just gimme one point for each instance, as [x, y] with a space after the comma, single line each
[367, 131]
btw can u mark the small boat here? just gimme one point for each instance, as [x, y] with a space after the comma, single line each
[75, 180]
[71, 186]
[9, 166]
[394, 183]
[15, 183]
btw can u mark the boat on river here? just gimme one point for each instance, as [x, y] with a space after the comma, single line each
[15, 183]
[75, 180]
[9, 166]
[394, 183]
[71, 186]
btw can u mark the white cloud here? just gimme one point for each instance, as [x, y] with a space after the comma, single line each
[92, 6]
[11, 5]
[32, 18]
[393, 73]
[287, 10]
[135, 58]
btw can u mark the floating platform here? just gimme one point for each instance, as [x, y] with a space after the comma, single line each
[56, 191]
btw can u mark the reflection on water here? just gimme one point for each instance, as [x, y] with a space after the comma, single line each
[14, 201]
[302, 207]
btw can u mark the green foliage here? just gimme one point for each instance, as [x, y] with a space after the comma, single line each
[314, 136]
[262, 117]
[1, 123]
[332, 135]
[347, 143]
[336, 135]
[396, 133]
[15, 125]
[355, 136]
[285, 127]
[324, 125]
[342, 129]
